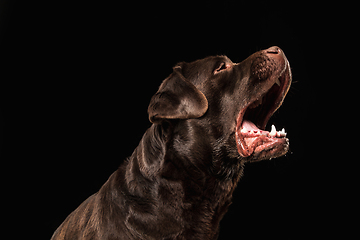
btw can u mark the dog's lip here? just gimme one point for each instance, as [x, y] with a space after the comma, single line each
[250, 140]
[250, 137]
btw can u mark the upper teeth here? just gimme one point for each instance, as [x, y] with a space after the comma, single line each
[278, 82]
[275, 133]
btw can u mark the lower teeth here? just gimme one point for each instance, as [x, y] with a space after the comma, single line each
[272, 133]
[275, 133]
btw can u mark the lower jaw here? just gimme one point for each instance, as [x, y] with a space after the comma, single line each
[269, 153]
[261, 147]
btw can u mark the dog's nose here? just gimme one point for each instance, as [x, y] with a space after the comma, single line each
[273, 50]
[275, 53]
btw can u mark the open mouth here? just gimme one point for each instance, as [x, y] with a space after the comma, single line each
[251, 136]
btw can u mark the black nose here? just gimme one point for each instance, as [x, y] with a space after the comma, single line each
[273, 50]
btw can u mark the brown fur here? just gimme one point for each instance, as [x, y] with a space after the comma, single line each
[179, 181]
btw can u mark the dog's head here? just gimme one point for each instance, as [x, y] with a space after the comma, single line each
[231, 101]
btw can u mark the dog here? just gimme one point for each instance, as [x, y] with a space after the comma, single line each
[208, 119]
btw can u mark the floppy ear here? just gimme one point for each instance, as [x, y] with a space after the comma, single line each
[177, 98]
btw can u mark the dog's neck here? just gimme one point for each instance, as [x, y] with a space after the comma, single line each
[155, 173]
[149, 154]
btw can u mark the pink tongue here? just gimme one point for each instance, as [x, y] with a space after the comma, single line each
[248, 125]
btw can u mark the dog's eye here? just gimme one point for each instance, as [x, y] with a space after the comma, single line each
[221, 67]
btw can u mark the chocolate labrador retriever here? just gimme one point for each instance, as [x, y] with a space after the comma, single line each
[209, 119]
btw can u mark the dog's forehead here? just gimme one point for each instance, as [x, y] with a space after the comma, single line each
[202, 67]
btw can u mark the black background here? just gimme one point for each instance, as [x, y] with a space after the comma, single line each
[79, 76]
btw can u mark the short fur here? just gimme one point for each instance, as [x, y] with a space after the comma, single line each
[179, 181]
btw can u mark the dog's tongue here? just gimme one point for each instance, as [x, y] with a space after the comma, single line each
[248, 125]
[249, 137]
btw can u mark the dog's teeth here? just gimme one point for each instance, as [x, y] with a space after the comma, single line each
[283, 133]
[273, 128]
[273, 131]
[278, 82]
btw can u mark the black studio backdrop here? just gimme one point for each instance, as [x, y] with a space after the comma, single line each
[79, 76]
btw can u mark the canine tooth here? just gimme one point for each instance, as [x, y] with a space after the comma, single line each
[273, 128]
[278, 82]
[273, 131]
